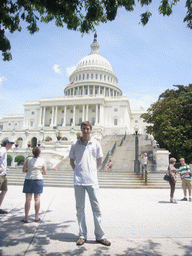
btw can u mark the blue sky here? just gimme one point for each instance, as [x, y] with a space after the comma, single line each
[147, 60]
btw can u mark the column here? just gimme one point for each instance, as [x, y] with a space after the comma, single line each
[64, 116]
[40, 117]
[83, 90]
[52, 116]
[96, 113]
[83, 114]
[87, 112]
[44, 108]
[94, 91]
[101, 115]
[73, 115]
[56, 110]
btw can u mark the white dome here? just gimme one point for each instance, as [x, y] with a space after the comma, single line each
[94, 60]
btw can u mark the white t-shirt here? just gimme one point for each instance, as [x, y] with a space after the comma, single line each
[85, 157]
[34, 168]
[3, 160]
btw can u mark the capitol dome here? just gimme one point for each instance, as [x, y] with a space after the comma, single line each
[93, 76]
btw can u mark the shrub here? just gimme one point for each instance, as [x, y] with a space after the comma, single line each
[9, 160]
[19, 159]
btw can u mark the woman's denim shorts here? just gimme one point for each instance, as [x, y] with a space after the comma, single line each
[33, 186]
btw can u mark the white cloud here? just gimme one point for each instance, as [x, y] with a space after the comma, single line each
[57, 69]
[144, 101]
[70, 70]
[2, 79]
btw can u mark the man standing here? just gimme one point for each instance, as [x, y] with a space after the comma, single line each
[85, 158]
[185, 172]
[3, 171]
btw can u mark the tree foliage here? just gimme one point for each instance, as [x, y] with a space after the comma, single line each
[75, 14]
[19, 159]
[171, 119]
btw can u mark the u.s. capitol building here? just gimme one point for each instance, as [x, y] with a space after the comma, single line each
[92, 94]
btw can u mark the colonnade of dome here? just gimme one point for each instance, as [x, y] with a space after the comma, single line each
[93, 76]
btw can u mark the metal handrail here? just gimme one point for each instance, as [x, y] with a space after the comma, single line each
[109, 153]
[124, 137]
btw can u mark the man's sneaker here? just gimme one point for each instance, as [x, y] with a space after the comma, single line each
[80, 241]
[189, 199]
[184, 199]
[104, 242]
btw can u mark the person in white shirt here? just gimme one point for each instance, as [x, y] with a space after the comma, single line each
[85, 158]
[3, 171]
[35, 168]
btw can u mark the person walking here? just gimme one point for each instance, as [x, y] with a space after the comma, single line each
[7, 145]
[173, 180]
[185, 175]
[35, 168]
[85, 158]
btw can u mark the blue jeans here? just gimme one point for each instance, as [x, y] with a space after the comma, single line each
[93, 193]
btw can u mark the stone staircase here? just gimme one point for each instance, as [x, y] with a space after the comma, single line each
[122, 175]
[64, 178]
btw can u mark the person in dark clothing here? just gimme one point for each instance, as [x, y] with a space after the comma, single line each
[173, 180]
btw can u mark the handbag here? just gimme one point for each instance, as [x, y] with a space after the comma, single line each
[167, 177]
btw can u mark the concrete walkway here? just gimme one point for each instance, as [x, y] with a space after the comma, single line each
[137, 222]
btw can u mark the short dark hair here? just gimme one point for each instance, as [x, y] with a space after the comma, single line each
[36, 151]
[86, 123]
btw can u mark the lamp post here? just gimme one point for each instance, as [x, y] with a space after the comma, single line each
[136, 161]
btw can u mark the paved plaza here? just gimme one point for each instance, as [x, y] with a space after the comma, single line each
[137, 222]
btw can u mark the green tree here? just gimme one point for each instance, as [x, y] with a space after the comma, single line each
[19, 159]
[75, 14]
[171, 121]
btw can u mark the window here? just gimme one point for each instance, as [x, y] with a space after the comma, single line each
[136, 121]
[62, 111]
[91, 76]
[100, 77]
[83, 76]
[115, 109]
[91, 91]
[80, 120]
[81, 111]
[93, 110]
[96, 76]
[51, 112]
[87, 76]
[93, 121]
[31, 123]
[86, 91]
[79, 77]
[71, 110]
[96, 91]
[115, 121]
[32, 112]
[104, 77]
[9, 124]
